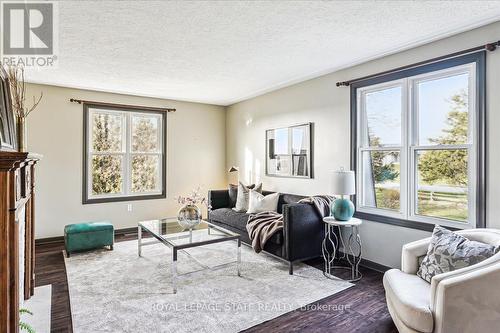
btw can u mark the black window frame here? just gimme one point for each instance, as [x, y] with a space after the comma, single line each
[122, 108]
[479, 58]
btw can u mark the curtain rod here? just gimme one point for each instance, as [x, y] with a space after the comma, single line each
[125, 106]
[487, 47]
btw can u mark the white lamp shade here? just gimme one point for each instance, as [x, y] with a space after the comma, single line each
[343, 182]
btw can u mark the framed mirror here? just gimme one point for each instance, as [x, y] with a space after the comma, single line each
[289, 151]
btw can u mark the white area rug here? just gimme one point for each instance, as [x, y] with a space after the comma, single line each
[116, 291]
[40, 305]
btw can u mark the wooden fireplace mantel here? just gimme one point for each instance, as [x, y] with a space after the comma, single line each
[17, 214]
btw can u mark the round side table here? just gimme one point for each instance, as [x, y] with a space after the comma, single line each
[352, 250]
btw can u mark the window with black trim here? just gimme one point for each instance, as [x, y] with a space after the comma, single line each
[418, 140]
[124, 154]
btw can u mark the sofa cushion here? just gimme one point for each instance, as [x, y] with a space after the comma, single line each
[230, 217]
[258, 202]
[239, 221]
[243, 196]
[410, 298]
[233, 193]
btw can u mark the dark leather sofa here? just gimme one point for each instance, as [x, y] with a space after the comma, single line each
[300, 239]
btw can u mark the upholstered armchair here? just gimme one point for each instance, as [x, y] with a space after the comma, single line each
[461, 301]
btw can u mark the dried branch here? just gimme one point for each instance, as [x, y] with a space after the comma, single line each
[18, 92]
[35, 103]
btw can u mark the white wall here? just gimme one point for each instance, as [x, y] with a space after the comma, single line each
[320, 101]
[195, 156]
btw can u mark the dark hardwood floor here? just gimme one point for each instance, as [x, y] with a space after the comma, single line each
[50, 269]
[358, 309]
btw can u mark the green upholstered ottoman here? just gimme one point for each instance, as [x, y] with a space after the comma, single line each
[88, 235]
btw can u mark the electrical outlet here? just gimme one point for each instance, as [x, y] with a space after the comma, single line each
[129, 207]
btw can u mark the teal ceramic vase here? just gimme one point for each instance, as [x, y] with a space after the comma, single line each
[342, 209]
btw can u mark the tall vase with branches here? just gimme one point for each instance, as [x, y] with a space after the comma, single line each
[19, 105]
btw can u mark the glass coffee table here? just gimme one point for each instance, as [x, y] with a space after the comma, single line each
[170, 233]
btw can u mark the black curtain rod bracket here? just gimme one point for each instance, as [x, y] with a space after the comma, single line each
[488, 47]
[124, 106]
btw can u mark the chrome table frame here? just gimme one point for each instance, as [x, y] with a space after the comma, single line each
[352, 252]
[167, 240]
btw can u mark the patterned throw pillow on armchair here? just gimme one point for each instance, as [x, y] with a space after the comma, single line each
[449, 251]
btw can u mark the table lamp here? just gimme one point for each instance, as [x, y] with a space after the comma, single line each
[343, 184]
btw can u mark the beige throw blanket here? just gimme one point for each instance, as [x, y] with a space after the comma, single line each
[321, 203]
[262, 226]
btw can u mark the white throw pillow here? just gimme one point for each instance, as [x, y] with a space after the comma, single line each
[242, 196]
[259, 203]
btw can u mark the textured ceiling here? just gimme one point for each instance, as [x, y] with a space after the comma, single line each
[221, 52]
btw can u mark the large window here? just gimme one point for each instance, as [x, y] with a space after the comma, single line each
[418, 145]
[124, 156]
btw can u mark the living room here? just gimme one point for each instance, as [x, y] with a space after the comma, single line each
[249, 166]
